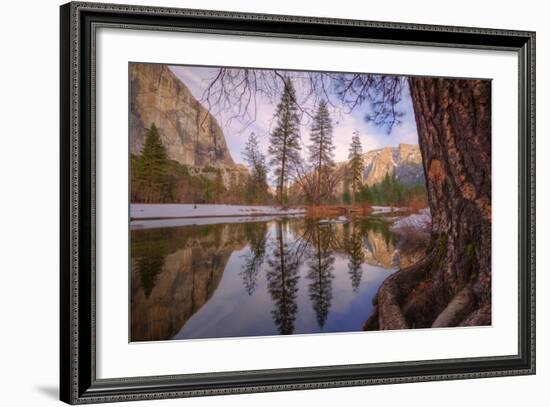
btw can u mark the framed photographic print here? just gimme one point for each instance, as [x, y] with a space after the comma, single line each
[257, 203]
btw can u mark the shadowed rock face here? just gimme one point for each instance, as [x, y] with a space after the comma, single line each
[191, 135]
[167, 289]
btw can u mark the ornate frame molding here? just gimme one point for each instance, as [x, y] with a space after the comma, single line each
[78, 380]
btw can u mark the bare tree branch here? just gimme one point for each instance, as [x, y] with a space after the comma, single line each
[235, 91]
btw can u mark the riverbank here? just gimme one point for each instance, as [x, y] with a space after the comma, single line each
[183, 211]
[170, 215]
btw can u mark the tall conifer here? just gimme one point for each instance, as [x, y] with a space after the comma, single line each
[151, 167]
[321, 149]
[257, 189]
[285, 139]
[355, 165]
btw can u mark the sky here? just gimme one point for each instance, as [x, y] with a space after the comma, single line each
[344, 123]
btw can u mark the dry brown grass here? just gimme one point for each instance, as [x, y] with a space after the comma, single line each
[327, 211]
[418, 203]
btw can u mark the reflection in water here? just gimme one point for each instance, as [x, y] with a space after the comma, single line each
[353, 245]
[321, 267]
[193, 262]
[259, 278]
[282, 279]
[256, 234]
[148, 268]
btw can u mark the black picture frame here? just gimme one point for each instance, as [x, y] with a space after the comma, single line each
[78, 382]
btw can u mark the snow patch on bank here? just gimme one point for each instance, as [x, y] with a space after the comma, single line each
[421, 220]
[386, 209]
[160, 211]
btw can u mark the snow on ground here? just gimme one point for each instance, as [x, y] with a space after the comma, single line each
[147, 216]
[421, 220]
[157, 211]
[386, 209]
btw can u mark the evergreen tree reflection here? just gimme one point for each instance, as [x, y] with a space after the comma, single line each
[256, 234]
[148, 268]
[321, 269]
[353, 244]
[282, 279]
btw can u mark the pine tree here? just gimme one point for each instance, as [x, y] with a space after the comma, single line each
[257, 189]
[321, 149]
[285, 138]
[346, 196]
[218, 187]
[355, 165]
[151, 169]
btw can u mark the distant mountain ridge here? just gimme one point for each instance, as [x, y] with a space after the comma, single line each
[404, 161]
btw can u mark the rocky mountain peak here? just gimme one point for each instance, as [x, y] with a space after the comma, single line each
[405, 161]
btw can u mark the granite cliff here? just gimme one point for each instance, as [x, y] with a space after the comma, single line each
[405, 161]
[191, 135]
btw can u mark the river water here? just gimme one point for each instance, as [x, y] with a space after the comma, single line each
[272, 277]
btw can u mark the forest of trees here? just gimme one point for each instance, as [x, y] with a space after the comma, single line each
[157, 179]
[389, 192]
[311, 178]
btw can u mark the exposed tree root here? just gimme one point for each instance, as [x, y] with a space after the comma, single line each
[458, 308]
[406, 299]
[451, 286]
[481, 316]
[388, 313]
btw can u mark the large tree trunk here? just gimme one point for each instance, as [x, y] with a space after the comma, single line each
[451, 286]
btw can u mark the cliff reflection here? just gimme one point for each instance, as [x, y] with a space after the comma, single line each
[258, 278]
[174, 273]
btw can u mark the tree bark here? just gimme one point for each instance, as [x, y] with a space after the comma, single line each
[452, 285]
